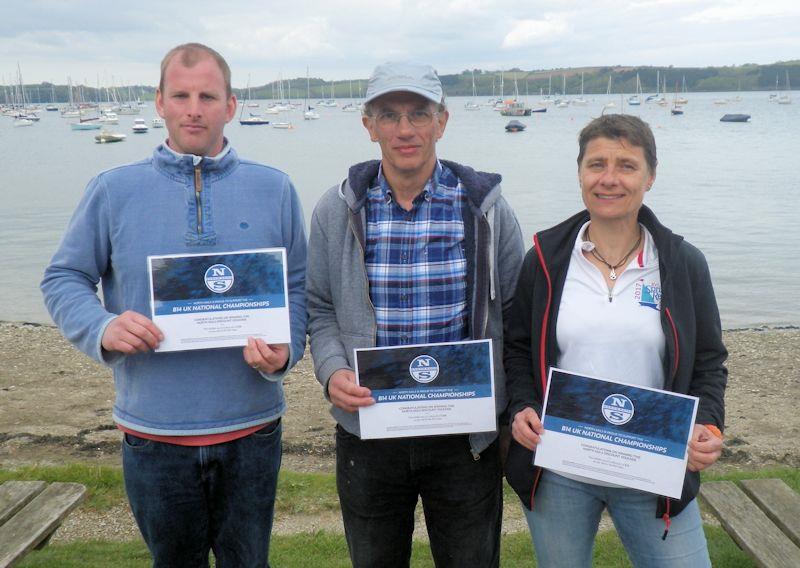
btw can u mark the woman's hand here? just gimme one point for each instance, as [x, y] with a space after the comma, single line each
[527, 428]
[704, 448]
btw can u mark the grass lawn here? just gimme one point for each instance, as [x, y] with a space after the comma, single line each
[303, 493]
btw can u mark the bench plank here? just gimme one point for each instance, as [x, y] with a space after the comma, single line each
[779, 502]
[14, 495]
[752, 530]
[37, 520]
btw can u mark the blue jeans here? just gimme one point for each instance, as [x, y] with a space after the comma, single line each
[379, 482]
[189, 500]
[566, 515]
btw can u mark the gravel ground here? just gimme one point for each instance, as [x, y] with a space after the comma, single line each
[55, 407]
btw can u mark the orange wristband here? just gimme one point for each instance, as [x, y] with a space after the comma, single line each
[714, 430]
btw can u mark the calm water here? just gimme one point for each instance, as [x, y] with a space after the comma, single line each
[728, 188]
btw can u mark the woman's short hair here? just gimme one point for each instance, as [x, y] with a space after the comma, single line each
[631, 129]
[190, 54]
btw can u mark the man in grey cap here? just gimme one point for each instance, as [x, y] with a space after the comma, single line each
[406, 250]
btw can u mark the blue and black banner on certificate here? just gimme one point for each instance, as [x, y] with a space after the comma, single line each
[426, 390]
[204, 301]
[616, 432]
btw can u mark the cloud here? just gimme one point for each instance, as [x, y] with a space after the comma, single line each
[660, 3]
[536, 32]
[739, 11]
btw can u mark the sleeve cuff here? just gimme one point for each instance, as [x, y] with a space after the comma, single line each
[278, 375]
[714, 430]
[108, 358]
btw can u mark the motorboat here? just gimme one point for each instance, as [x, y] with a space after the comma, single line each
[515, 126]
[735, 118]
[157, 122]
[253, 120]
[93, 125]
[515, 108]
[106, 137]
[139, 126]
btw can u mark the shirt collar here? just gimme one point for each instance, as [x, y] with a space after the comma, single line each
[431, 186]
[648, 255]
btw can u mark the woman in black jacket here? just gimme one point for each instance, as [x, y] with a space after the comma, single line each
[612, 293]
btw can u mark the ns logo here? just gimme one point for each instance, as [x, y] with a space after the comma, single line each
[219, 278]
[424, 369]
[617, 409]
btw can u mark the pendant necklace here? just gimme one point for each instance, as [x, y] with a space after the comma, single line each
[613, 267]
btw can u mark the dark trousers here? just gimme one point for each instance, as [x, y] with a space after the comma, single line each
[189, 500]
[379, 482]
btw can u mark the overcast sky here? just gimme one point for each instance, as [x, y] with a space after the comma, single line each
[123, 42]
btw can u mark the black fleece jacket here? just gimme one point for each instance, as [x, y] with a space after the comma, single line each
[695, 355]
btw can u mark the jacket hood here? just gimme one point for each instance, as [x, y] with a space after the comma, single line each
[483, 188]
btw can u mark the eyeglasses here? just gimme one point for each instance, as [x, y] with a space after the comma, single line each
[417, 118]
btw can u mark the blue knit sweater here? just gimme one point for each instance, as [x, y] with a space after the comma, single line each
[152, 208]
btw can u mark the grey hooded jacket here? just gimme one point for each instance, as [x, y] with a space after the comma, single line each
[341, 316]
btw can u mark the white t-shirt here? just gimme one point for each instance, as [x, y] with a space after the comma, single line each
[615, 334]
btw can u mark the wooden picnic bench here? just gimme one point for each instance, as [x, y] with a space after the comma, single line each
[30, 512]
[762, 517]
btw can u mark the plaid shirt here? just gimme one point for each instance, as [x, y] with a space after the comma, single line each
[416, 263]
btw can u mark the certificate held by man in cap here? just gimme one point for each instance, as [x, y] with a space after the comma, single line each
[205, 301]
[426, 390]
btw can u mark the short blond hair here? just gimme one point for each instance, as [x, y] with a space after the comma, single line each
[190, 54]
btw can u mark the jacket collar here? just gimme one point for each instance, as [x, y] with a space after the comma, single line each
[556, 241]
[176, 164]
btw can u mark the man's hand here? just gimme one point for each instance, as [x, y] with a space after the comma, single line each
[527, 428]
[264, 357]
[704, 448]
[130, 333]
[345, 393]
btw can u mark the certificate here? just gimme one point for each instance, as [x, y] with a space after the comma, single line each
[617, 433]
[206, 301]
[427, 390]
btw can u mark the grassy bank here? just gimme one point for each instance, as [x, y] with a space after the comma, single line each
[307, 494]
[330, 550]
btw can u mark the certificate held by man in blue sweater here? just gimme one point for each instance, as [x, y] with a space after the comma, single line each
[206, 301]
[617, 433]
[427, 390]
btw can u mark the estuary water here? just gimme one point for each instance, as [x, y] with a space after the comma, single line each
[730, 188]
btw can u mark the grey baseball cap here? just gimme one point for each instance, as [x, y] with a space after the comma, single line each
[404, 77]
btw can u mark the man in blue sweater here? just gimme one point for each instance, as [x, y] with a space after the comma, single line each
[201, 448]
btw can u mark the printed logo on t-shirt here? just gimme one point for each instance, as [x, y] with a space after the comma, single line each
[648, 295]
